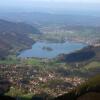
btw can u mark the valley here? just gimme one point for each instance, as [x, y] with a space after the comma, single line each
[64, 54]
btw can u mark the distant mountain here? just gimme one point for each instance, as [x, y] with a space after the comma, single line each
[50, 18]
[15, 36]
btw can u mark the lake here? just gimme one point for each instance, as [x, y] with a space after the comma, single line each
[51, 50]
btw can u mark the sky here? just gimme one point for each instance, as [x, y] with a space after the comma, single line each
[49, 5]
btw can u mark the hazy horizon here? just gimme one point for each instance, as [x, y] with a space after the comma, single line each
[50, 6]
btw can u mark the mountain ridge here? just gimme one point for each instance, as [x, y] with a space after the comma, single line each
[15, 36]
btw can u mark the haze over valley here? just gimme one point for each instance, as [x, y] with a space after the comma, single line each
[50, 49]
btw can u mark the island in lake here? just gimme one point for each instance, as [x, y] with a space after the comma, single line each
[51, 50]
[47, 48]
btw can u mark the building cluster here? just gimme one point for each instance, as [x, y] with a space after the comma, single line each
[32, 80]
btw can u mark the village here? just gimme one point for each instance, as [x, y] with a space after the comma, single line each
[30, 79]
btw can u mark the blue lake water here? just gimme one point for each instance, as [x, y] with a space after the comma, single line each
[56, 49]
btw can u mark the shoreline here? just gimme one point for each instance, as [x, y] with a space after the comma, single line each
[50, 57]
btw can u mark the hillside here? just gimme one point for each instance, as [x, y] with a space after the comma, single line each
[87, 91]
[84, 55]
[15, 37]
